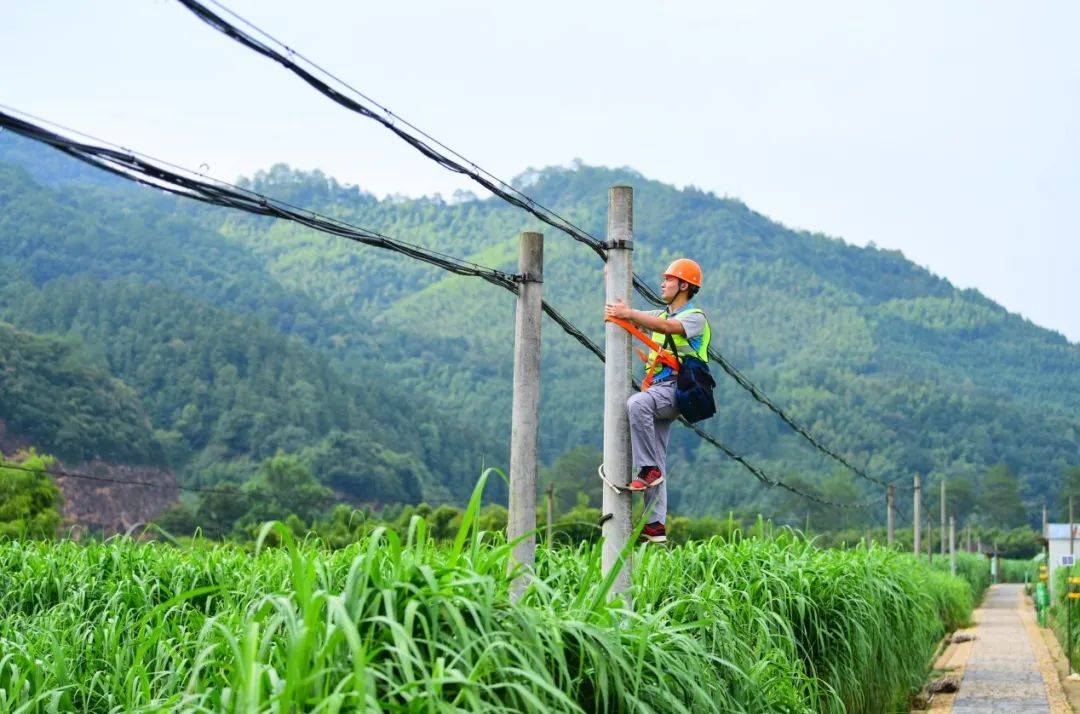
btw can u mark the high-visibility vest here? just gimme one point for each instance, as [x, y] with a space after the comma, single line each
[682, 345]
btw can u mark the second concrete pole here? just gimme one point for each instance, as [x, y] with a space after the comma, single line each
[916, 520]
[525, 412]
[889, 507]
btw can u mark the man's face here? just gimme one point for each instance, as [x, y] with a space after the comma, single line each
[669, 288]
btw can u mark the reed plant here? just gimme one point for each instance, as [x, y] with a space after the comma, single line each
[401, 623]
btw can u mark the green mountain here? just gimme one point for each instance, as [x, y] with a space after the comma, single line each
[226, 365]
[891, 365]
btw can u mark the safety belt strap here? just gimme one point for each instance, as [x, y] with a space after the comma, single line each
[671, 360]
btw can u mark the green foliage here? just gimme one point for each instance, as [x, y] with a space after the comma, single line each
[29, 500]
[1001, 497]
[1059, 615]
[972, 568]
[1017, 571]
[284, 488]
[1069, 486]
[1016, 543]
[574, 474]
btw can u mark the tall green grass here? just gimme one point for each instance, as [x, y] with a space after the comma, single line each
[1016, 570]
[972, 568]
[403, 624]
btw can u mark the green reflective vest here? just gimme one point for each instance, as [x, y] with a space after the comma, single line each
[697, 347]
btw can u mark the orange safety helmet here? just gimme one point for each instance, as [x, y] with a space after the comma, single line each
[686, 270]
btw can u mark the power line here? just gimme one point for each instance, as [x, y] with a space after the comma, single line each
[141, 169]
[489, 181]
[388, 119]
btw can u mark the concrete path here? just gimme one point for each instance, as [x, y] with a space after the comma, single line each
[1006, 669]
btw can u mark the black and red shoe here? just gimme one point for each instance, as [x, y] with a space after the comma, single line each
[648, 477]
[653, 533]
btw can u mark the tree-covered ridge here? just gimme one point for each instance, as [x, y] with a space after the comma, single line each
[221, 387]
[49, 396]
[887, 362]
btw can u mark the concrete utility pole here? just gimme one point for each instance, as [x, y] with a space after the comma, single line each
[617, 388]
[525, 412]
[930, 538]
[1072, 528]
[889, 515]
[942, 516]
[952, 544]
[917, 519]
[550, 511]
[968, 537]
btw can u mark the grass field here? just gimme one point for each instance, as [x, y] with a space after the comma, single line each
[410, 625]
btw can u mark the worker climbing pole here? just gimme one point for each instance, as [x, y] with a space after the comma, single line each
[676, 383]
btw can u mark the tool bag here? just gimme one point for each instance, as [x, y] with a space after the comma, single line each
[693, 386]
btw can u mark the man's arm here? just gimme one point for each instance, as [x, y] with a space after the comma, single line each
[622, 311]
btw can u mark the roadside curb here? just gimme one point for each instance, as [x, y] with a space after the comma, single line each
[1055, 694]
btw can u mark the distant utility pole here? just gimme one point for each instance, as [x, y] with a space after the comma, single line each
[968, 537]
[942, 516]
[952, 544]
[929, 538]
[917, 519]
[617, 388]
[550, 511]
[1072, 528]
[525, 412]
[889, 515]
[1045, 521]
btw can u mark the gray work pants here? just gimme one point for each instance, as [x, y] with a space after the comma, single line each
[651, 413]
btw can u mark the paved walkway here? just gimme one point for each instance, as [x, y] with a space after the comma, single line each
[1003, 673]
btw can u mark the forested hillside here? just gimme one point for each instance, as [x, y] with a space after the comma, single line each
[52, 396]
[243, 336]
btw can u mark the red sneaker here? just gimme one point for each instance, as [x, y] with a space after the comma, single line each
[648, 477]
[653, 533]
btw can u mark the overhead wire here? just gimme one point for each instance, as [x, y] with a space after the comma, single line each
[489, 181]
[142, 169]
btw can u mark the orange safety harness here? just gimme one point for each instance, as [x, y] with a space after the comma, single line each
[664, 356]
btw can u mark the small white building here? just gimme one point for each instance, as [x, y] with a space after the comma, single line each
[1057, 535]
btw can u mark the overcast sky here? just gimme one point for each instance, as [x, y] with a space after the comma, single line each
[948, 130]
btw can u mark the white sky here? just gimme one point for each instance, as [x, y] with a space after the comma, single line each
[948, 130]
